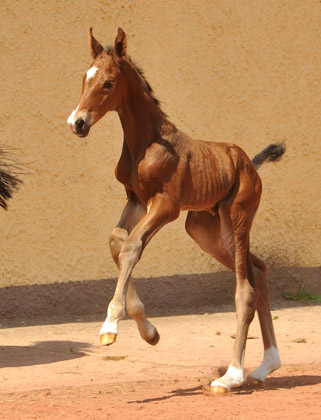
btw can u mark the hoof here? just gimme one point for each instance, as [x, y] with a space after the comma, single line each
[253, 382]
[107, 339]
[219, 390]
[215, 390]
[153, 341]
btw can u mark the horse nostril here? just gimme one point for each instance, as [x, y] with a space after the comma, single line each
[80, 125]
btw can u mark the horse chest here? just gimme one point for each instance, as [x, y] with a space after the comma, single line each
[144, 178]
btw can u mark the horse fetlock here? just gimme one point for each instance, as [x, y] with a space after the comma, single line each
[154, 340]
[270, 363]
[148, 332]
[109, 329]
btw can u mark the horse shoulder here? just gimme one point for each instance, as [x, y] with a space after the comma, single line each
[159, 162]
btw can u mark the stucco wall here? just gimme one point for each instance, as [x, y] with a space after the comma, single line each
[247, 72]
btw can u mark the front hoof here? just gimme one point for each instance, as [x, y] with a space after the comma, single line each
[153, 341]
[215, 390]
[107, 339]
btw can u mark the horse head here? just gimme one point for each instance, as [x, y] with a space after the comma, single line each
[102, 87]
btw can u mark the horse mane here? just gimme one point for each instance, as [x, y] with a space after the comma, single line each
[109, 49]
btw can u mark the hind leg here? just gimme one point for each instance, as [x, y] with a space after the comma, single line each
[240, 220]
[271, 359]
[215, 235]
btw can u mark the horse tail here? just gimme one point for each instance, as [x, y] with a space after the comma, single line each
[9, 181]
[271, 153]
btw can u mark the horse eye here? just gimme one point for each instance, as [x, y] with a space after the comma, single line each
[108, 85]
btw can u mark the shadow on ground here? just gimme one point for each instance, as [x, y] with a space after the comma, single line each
[285, 382]
[162, 296]
[41, 353]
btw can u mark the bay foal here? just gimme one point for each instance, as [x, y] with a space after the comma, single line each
[164, 171]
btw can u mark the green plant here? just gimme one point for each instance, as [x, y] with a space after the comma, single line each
[302, 295]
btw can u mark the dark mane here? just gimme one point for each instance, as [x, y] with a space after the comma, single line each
[109, 49]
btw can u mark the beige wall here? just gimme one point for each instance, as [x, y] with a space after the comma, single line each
[247, 72]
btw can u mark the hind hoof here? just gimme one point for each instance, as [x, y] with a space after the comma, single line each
[153, 341]
[107, 339]
[251, 381]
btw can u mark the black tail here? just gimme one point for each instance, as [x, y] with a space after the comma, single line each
[271, 153]
[9, 181]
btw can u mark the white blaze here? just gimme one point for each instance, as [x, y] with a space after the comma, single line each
[71, 118]
[91, 72]
[86, 117]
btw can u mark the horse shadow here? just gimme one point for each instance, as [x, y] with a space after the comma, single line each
[270, 384]
[181, 392]
[41, 353]
[283, 382]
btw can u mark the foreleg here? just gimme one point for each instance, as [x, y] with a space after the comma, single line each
[135, 308]
[161, 212]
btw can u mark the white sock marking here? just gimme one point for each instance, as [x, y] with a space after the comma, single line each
[109, 327]
[233, 377]
[270, 362]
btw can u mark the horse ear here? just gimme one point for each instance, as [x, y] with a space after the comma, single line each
[121, 43]
[95, 47]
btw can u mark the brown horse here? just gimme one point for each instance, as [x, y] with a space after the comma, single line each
[164, 171]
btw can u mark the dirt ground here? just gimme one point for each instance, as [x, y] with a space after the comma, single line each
[54, 368]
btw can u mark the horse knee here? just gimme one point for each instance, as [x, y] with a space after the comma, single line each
[130, 252]
[116, 241]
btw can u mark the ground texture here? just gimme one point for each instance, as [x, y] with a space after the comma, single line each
[54, 368]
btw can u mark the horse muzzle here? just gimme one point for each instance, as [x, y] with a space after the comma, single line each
[79, 125]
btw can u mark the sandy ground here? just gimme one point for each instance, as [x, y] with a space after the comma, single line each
[53, 369]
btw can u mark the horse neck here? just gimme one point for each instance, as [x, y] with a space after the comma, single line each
[140, 116]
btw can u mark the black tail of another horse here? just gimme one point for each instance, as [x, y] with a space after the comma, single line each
[271, 153]
[9, 180]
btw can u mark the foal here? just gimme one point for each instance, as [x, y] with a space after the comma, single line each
[164, 171]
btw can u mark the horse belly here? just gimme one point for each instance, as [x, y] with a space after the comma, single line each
[204, 192]
[208, 178]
